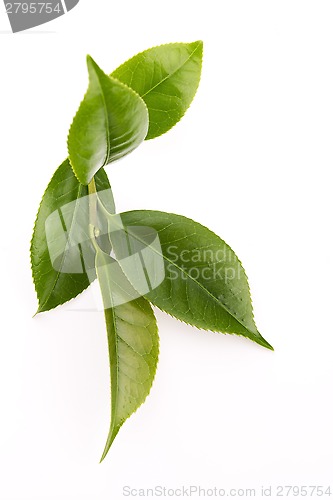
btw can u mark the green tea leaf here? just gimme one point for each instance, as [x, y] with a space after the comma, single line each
[205, 284]
[112, 120]
[167, 78]
[53, 286]
[133, 343]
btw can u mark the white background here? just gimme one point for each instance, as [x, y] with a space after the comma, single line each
[252, 159]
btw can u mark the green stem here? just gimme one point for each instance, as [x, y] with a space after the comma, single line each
[92, 186]
[93, 212]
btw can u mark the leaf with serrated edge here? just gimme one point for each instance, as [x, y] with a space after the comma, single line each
[112, 120]
[205, 284]
[167, 78]
[52, 286]
[133, 343]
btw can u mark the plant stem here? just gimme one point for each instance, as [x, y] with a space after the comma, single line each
[93, 212]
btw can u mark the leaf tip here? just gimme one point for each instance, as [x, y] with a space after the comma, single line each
[109, 442]
[90, 60]
[93, 67]
[264, 343]
[40, 309]
[199, 43]
[197, 47]
[114, 429]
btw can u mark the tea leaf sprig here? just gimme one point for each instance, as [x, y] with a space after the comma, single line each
[141, 257]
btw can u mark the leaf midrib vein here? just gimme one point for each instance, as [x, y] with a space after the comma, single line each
[114, 322]
[63, 255]
[200, 286]
[107, 122]
[171, 74]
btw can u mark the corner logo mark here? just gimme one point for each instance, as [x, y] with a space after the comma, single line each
[26, 15]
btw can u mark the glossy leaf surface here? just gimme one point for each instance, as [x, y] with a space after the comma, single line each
[167, 78]
[53, 285]
[112, 120]
[205, 284]
[133, 343]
